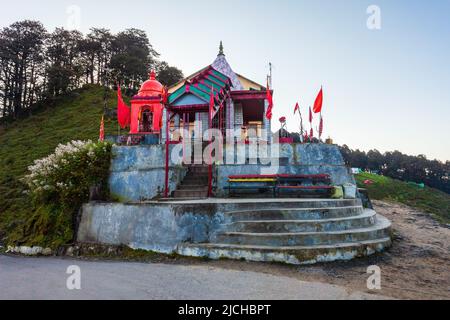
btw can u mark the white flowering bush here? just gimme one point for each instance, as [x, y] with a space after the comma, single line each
[65, 176]
[58, 185]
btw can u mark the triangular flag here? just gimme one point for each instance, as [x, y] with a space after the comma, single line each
[318, 103]
[297, 108]
[123, 111]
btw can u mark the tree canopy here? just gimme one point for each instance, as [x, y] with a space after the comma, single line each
[36, 65]
[400, 166]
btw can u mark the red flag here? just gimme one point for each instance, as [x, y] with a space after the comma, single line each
[311, 133]
[123, 111]
[270, 100]
[102, 130]
[165, 95]
[297, 108]
[318, 102]
[321, 127]
[310, 115]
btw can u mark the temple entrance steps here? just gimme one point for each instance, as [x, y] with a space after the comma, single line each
[194, 184]
[301, 235]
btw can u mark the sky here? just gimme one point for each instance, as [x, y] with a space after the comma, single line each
[386, 88]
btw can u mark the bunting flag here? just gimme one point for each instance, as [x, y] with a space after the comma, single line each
[270, 100]
[318, 103]
[211, 105]
[102, 130]
[123, 111]
[321, 127]
[297, 108]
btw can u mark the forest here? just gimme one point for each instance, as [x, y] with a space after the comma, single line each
[36, 65]
[397, 165]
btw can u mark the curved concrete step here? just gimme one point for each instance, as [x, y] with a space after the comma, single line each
[190, 194]
[381, 229]
[307, 213]
[364, 220]
[291, 255]
[255, 204]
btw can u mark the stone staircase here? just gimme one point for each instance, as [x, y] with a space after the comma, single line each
[297, 233]
[194, 185]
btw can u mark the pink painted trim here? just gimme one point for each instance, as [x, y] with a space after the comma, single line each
[166, 189]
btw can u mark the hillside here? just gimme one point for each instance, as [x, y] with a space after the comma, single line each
[77, 116]
[430, 200]
[72, 117]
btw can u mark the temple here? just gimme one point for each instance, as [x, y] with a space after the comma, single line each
[240, 104]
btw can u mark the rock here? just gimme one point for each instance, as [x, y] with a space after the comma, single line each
[28, 251]
[69, 252]
[47, 252]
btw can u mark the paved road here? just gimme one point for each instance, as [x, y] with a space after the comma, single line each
[45, 278]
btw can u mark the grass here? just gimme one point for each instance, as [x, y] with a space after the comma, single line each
[432, 201]
[72, 117]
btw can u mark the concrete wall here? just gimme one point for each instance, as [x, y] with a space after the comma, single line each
[138, 172]
[156, 227]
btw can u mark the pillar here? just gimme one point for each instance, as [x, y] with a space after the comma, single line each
[164, 125]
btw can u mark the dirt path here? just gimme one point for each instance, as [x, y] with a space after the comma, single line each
[416, 267]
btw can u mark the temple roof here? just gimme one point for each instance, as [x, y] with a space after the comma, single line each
[221, 65]
[200, 86]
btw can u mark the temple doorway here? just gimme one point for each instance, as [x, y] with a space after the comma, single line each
[147, 121]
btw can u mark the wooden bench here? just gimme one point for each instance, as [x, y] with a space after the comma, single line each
[279, 184]
[310, 190]
[304, 184]
[258, 183]
[302, 178]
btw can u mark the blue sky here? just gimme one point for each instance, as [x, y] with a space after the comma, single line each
[386, 89]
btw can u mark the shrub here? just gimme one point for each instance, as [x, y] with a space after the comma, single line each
[58, 185]
[65, 176]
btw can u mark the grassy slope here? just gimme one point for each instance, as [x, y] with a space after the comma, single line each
[429, 200]
[76, 116]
